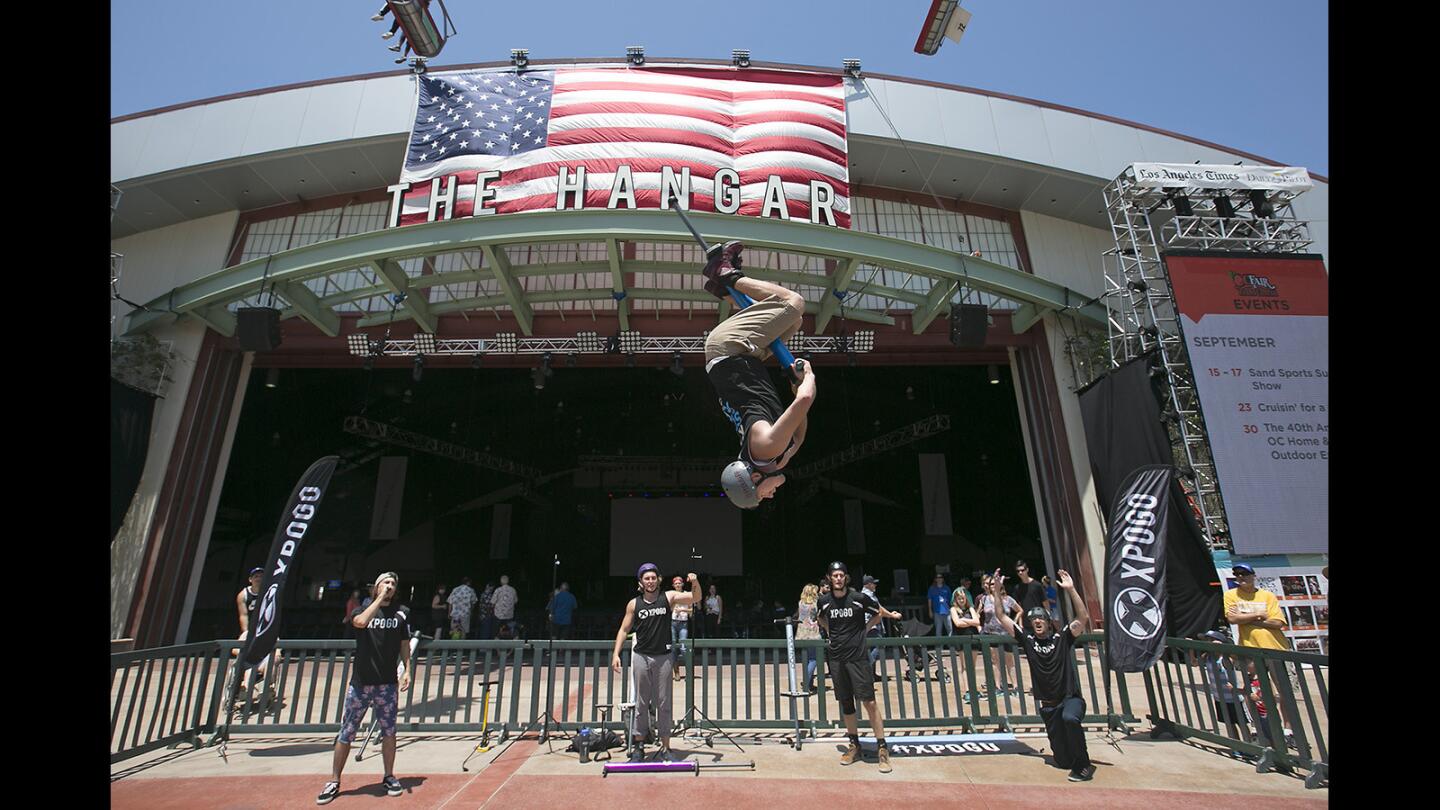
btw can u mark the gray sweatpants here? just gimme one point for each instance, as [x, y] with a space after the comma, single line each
[652, 688]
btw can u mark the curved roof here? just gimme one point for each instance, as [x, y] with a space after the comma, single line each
[296, 142]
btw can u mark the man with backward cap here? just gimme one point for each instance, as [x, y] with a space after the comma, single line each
[649, 615]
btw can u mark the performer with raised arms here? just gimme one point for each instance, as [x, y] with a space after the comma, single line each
[649, 615]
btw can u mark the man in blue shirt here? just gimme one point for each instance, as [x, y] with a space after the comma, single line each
[562, 611]
[938, 598]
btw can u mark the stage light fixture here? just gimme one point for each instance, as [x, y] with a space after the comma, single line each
[630, 361]
[677, 365]
[520, 57]
[1260, 204]
[589, 342]
[612, 344]
[419, 368]
[369, 363]
[630, 341]
[635, 55]
[571, 359]
[1138, 286]
[1180, 203]
[852, 67]
[841, 345]
[542, 372]
[910, 392]
[359, 343]
[424, 343]
[740, 57]
[506, 343]
[864, 340]
[272, 378]
[994, 374]
[477, 361]
[1224, 207]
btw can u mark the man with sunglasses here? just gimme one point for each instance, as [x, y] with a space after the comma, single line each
[1028, 591]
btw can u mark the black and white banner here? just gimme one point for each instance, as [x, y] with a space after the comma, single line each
[294, 523]
[1194, 176]
[1135, 570]
[950, 745]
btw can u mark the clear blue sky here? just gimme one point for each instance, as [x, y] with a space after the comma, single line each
[1247, 74]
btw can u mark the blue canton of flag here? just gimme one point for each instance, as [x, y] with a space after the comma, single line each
[480, 115]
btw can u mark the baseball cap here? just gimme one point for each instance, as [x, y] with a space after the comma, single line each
[1216, 635]
[869, 580]
[253, 571]
[647, 567]
[1242, 568]
[837, 566]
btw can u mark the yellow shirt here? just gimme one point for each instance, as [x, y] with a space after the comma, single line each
[1253, 635]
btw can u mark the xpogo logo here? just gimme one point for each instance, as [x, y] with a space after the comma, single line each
[1137, 614]
[265, 615]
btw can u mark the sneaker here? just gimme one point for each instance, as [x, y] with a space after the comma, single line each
[884, 753]
[722, 270]
[851, 755]
[332, 789]
[1084, 774]
[378, 17]
[395, 48]
[392, 786]
[387, 35]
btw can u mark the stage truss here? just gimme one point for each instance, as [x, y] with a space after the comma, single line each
[1142, 319]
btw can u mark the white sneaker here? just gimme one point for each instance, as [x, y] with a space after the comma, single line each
[387, 35]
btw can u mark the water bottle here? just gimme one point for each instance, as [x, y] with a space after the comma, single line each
[584, 744]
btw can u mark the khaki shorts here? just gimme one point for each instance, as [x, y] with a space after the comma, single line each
[753, 329]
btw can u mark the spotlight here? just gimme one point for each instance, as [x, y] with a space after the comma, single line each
[864, 340]
[1138, 286]
[571, 359]
[841, 345]
[612, 344]
[1260, 205]
[424, 343]
[359, 343]
[994, 374]
[520, 57]
[1180, 203]
[677, 366]
[542, 372]
[910, 392]
[630, 341]
[506, 343]
[272, 378]
[740, 57]
[477, 361]
[589, 342]
[852, 67]
[630, 361]
[419, 368]
[635, 55]
[1224, 207]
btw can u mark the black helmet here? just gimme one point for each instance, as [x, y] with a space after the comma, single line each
[1036, 613]
[838, 566]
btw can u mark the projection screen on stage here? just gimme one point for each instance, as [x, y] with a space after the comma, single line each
[1257, 330]
[664, 530]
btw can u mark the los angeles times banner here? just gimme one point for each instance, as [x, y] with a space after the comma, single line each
[1135, 570]
[295, 522]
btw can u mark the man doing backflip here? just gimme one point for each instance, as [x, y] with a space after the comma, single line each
[1052, 670]
[735, 355]
[649, 615]
[842, 616]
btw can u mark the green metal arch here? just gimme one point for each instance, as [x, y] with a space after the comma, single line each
[206, 298]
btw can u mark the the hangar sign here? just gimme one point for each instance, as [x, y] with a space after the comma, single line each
[764, 143]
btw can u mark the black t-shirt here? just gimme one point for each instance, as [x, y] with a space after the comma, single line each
[846, 617]
[746, 396]
[1052, 663]
[652, 625]
[377, 646]
[1029, 594]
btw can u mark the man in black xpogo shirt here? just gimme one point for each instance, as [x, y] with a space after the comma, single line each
[650, 661]
[735, 354]
[382, 637]
[842, 616]
[1052, 671]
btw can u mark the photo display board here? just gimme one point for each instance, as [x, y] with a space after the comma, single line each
[1258, 333]
[1304, 596]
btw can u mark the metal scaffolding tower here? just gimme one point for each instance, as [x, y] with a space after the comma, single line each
[1142, 318]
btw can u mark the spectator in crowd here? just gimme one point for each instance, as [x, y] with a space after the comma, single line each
[990, 623]
[807, 628]
[461, 601]
[937, 599]
[504, 602]
[369, 596]
[1257, 613]
[1050, 599]
[439, 612]
[1227, 689]
[382, 641]
[561, 611]
[714, 611]
[485, 609]
[966, 585]
[966, 623]
[679, 626]
[247, 601]
[1052, 672]
[352, 604]
[867, 587]
[1028, 591]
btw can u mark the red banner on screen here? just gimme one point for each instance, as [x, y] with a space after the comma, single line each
[1249, 285]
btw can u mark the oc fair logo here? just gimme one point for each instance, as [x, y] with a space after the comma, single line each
[265, 616]
[1137, 614]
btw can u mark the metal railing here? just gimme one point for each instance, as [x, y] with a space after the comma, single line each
[1270, 706]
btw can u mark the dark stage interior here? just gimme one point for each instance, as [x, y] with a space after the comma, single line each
[643, 411]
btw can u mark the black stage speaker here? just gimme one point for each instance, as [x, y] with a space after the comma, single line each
[258, 328]
[968, 323]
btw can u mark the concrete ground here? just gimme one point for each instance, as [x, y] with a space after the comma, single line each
[289, 770]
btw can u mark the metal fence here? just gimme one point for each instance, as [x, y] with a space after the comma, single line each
[171, 695]
[1270, 706]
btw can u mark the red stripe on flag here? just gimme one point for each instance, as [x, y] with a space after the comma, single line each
[830, 125]
[684, 137]
[743, 75]
[804, 146]
[700, 92]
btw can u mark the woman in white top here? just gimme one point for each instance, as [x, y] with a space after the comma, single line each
[714, 608]
[679, 626]
[966, 623]
[990, 625]
[808, 628]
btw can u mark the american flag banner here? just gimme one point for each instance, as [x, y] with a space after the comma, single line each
[774, 139]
